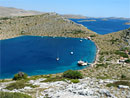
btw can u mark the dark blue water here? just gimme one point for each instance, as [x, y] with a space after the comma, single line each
[104, 27]
[37, 55]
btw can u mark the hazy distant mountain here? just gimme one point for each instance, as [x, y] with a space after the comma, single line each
[9, 11]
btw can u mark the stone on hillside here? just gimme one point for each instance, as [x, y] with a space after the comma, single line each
[27, 88]
[123, 86]
[105, 91]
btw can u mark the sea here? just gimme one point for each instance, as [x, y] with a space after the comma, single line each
[104, 26]
[36, 55]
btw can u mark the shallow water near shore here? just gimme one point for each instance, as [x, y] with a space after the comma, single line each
[37, 55]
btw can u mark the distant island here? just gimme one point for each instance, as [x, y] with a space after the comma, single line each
[74, 16]
[127, 23]
[86, 20]
[104, 19]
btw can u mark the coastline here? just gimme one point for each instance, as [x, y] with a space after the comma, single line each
[96, 56]
[91, 65]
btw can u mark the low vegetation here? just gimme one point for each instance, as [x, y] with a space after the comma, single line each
[127, 61]
[121, 53]
[76, 31]
[54, 79]
[101, 65]
[20, 75]
[75, 81]
[71, 74]
[13, 95]
[19, 85]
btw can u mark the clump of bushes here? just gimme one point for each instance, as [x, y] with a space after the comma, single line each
[71, 74]
[93, 35]
[122, 54]
[101, 65]
[13, 95]
[114, 40]
[127, 61]
[20, 75]
[5, 18]
[76, 31]
[123, 76]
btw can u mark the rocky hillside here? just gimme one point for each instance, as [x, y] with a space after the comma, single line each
[9, 11]
[126, 36]
[48, 24]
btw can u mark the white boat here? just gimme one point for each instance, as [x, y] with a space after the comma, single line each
[81, 40]
[82, 63]
[71, 53]
[57, 59]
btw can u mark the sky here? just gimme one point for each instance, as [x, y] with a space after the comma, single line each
[91, 8]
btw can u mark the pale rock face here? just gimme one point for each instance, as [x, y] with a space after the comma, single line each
[123, 86]
[86, 88]
[105, 91]
[27, 88]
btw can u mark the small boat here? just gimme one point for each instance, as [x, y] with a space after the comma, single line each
[81, 40]
[71, 53]
[82, 63]
[89, 38]
[57, 59]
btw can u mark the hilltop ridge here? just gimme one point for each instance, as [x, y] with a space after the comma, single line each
[47, 24]
[10, 11]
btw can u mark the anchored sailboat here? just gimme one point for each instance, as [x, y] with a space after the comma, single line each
[57, 58]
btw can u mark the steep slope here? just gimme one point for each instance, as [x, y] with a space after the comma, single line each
[9, 11]
[48, 24]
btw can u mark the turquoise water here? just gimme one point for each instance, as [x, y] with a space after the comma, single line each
[37, 55]
[104, 27]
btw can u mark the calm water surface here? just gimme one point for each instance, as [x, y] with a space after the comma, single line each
[37, 55]
[104, 27]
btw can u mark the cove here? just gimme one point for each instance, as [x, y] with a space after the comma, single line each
[36, 55]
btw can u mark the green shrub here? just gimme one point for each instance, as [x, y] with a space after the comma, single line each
[20, 75]
[127, 61]
[101, 65]
[123, 76]
[120, 53]
[114, 40]
[13, 95]
[72, 74]
[76, 31]
[75, 81]
[93, 35]
[5, 18]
